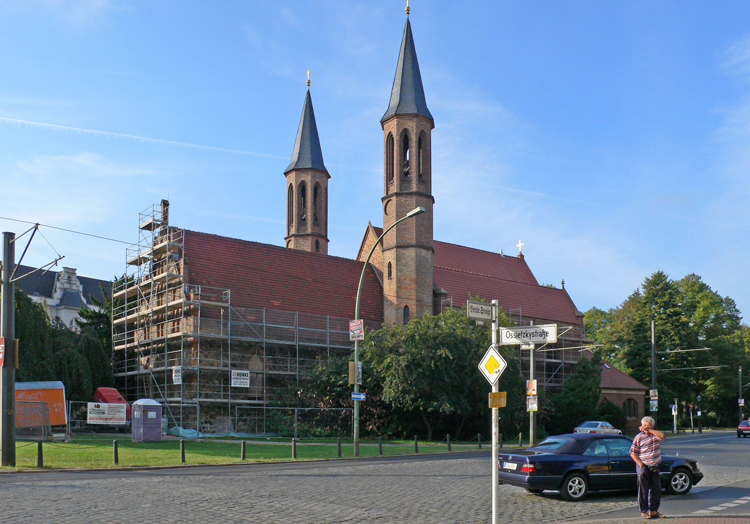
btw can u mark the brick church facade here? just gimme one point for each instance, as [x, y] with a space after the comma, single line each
[214, 327]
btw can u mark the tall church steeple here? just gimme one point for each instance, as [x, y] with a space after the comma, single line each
[407, 249]
[307, 187]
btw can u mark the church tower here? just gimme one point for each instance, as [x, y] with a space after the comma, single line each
[407, 249]
[307, 187]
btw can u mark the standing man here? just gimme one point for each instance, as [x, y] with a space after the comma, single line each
[646, 451]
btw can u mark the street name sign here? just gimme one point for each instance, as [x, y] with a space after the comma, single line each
[527, 335]
[492, 365]
[479, 311]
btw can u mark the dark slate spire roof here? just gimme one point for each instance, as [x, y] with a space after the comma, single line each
[307, 152]
[407, 96]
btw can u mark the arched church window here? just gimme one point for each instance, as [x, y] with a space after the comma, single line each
[302, 202]
[316, 203]
[389, 158]
[406, 314]
[390, 271]
[420, 156]
[290, 208]
[405, 155]
[630, 407]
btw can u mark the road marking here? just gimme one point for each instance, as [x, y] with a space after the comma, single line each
[726, 505]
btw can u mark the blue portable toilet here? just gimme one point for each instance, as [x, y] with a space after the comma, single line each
[146, 426]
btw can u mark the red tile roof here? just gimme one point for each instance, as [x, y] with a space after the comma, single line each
[464, 270]
[263, 275]
[613, 378]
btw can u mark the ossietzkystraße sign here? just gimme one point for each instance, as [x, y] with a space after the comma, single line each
[526, 335]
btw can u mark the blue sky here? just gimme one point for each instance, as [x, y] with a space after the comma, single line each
[612, 138]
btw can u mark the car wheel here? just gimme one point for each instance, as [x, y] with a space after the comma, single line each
[575, 487]
[534, 491]
[680, 482]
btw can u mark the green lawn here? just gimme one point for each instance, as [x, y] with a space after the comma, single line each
[98, 452]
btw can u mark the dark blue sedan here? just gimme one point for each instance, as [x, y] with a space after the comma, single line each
[577, 463]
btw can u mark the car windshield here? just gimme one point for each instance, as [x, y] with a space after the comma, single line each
[745, 423]
[589, 425]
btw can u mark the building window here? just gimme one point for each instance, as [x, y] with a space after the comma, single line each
[406, 314]
[405, 159]
[630, 407]
[317, 245]
[389, 158]
[420, 156]
[390, 271]
[302, 202]
[290, 209]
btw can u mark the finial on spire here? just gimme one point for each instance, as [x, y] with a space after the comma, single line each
[308, 79]
[407, 9]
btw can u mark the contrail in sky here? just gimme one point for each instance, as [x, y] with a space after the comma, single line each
[132, 137]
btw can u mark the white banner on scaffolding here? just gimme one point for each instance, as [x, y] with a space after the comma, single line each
[177, 375]
[240, 379]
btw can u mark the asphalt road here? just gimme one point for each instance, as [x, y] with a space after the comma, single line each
[429, 489]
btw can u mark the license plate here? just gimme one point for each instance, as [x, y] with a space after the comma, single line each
[510, 465]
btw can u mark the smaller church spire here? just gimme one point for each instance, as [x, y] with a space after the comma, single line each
[307, 152]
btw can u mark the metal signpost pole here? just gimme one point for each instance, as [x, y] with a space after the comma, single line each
[495, 418]
[532, 414]
[8, 370]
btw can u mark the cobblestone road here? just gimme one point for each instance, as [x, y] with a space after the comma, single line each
[444, 490]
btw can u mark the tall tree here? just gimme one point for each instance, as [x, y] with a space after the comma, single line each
[429, 367]
[688, 315]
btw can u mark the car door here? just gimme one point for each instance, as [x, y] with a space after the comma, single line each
[622, 470]
[597, 464]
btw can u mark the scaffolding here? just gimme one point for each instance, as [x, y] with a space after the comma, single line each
[189, 348]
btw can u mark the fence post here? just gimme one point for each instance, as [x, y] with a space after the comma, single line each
[501, 440]
[449, 441]
[479, 440]
[338, 443]
[416, 445]
[242, 452]
[294, 448]
[182, 450]
[520, 441]
[380, 445]
[115, 453]
[39, 455]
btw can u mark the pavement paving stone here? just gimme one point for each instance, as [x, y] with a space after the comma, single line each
[456, 491]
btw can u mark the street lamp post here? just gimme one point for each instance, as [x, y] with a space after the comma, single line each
[739, 395]
[414, 212]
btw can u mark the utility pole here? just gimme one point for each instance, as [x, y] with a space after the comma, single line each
[653, 365]
[8, 370]
[739, 395]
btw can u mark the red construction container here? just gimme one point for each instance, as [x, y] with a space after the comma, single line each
[111, 396]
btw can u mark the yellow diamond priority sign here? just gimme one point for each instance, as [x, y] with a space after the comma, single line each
[492, 365]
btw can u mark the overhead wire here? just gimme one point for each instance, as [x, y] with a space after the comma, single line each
[67, 230]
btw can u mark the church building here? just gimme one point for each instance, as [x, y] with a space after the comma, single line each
[215, 327]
